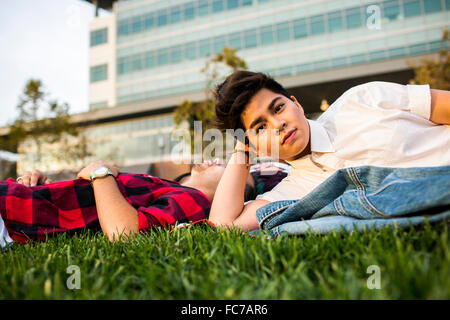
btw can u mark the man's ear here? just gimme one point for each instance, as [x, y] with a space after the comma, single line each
[296, 102]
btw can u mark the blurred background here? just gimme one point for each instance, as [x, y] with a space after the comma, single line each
[112, 80]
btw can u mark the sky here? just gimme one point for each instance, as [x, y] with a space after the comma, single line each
[46, 40]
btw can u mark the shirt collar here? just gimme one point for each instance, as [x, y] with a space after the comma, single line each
[320, 141]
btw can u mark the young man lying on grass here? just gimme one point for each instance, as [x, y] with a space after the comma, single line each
[377, 123]
[104, 198]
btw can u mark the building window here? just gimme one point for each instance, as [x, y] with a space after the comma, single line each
[300, 28]
[98, 105]
[217, 6]
[418, 48]
[267, 36]
[123, 28]
[189, 11]
[136, 64]
[235, 40]
[149, 21]
[431, 6]
[250, 38]
[232, 4]
[162, 18]
[98, 73]
[175, 14]
[219, 43]
[190, 51]
[99, 37]
[317, 25]
[391, 10]
[163, 57]
[397, 52]
[283, 32]
[176, 55]
[411, 8]
[203, 8]
[335, 22]
[136, 24]
[149, 60]
[204, 48]
[353, 18]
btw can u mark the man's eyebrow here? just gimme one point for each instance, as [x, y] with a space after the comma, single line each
[260, 119]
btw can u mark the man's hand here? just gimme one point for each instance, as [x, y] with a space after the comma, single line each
[85, 173]
[33, 178]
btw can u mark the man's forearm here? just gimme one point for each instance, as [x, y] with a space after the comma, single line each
[228, 200]
[115, 214]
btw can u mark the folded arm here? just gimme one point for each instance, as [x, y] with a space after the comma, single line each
[227, 209]
[116, 216]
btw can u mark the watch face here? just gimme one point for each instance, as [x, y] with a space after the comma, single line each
[101, 171]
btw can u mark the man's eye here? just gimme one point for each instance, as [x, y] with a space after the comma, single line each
[279, 107]
[261, 128]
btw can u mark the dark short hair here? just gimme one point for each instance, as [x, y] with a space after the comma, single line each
[233, 95]
[182, 176]
[250, 192]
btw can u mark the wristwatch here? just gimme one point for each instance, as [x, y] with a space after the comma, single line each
[101, 172]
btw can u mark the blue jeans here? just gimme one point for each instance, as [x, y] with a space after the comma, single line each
[359, 198]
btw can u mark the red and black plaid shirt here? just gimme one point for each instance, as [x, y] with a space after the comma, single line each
[69, 206]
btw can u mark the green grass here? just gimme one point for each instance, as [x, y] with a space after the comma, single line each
[200, 263]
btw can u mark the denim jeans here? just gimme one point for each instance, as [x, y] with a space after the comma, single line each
[5, 240]
[366, 197]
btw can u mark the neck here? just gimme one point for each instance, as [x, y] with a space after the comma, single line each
[305, 151]
[191, 183]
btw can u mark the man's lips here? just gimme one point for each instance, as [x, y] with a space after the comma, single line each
[289, 136]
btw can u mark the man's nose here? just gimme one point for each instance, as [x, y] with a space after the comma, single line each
[279, 125]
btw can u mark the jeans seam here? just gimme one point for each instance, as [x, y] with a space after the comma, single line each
[386, 186]
[361, 191]
[270, 216]
[339, 208]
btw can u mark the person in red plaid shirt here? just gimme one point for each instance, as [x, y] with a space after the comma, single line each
[102, 198]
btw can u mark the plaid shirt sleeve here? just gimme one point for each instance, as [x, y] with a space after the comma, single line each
[33, 213]
[161, 202]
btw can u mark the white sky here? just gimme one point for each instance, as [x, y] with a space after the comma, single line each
[46, 40]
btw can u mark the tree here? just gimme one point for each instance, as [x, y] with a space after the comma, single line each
[42, 122]
[215, 69]
[436, 73]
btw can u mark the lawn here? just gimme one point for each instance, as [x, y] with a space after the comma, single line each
[203, 263]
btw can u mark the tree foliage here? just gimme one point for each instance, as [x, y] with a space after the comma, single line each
[434, 72]
[215, 68]
[41, 122]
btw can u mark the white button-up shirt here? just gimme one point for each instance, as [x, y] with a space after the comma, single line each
[377, 123]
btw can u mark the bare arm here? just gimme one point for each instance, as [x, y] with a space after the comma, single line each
[228, 208]
[115, 214]
[440, 106]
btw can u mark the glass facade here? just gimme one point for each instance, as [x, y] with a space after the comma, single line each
[178, 14]
[266, 35]
[145, 138]
[333, 34]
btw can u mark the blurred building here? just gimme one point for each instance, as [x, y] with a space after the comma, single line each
[146, 56]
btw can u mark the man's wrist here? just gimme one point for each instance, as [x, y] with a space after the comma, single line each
[241, 157]
[105, 179]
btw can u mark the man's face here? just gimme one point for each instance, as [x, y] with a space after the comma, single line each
[210, 173]
[276, 122]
